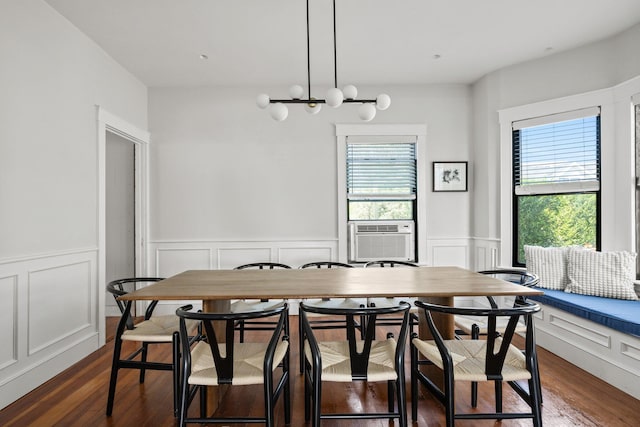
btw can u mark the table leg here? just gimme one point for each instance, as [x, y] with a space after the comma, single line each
[215, 394]
[445, 325]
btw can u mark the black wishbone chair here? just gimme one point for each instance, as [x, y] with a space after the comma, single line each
[353, 359]
[256, 305]
[325, 322]
[218, 358]
[475, 326]
[494, 359]
[387, 302]
[152, 330]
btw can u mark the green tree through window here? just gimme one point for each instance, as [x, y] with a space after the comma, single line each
[557, 220]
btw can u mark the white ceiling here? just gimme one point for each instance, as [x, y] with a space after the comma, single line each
[263, 42]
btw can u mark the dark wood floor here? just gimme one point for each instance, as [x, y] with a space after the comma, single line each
[77, 397]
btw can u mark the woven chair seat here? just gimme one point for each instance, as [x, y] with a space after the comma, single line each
[336, 363]
[248, 363]
[465, 324]
[156, 329]
[469, 360]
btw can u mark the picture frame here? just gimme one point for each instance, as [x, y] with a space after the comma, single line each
[450, 176]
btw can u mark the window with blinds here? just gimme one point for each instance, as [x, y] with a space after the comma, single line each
[559, 156]
[381, 177]
[556, 181]
[381, 170]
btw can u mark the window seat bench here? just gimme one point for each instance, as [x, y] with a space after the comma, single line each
[600, 335]
[618, 314]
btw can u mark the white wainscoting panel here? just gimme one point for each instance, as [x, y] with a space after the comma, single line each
[295, 257]
[486, 253]
[8, 321]
[576, 327]
[229, 258]
[48, 318]
[59, 301]
[175, 260]
[169, 258]
[630, 350]
[448, 252]
[604, 352]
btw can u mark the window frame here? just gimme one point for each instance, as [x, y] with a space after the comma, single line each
[571, 188]
[378, 130]
[635, 105]
[610, 233]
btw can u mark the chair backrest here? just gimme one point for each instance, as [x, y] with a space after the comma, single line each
[262, 266]
[326, 264]
[224, 337]
[389, 263]
[497, 342]
[519, 277]
[359, 358]
[122, 287]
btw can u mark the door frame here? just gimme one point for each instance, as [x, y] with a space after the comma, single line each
[108, 122]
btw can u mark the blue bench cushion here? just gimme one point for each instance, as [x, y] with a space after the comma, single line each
[621, 315]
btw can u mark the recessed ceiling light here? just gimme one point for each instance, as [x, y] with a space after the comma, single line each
[204, 56]
[437, 56]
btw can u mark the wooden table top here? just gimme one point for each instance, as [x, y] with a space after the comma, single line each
[210, 285]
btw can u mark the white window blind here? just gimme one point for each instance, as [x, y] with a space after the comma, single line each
[558, 153]
[381, 168]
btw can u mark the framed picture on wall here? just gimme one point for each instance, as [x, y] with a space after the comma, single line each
[450, 176]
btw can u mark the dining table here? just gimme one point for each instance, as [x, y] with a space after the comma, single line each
[439, 285]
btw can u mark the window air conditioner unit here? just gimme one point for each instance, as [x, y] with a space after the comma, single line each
[381, 240]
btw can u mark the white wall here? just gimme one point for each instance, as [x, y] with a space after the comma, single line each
[602, 65]
[51, 79]
[223, 170]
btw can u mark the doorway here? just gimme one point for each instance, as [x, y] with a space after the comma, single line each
[122, 208]
[120, 234]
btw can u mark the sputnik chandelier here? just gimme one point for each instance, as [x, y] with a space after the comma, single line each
[334, 97]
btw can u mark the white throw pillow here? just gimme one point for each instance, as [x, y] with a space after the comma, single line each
[603, 274]
[549, 264]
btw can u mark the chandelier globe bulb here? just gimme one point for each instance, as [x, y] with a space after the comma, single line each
[350, 92]
[313, 107]
[279, 111]
[383, 101]
[367, 111]
[296, 92]
[262, 101]
[334, 97]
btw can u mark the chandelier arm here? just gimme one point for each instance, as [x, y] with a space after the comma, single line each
[297, 101]
[320, 101]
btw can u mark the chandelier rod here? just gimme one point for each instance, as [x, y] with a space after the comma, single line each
[335, 70]
[335, 97]
[335, 56]
[308, 55]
